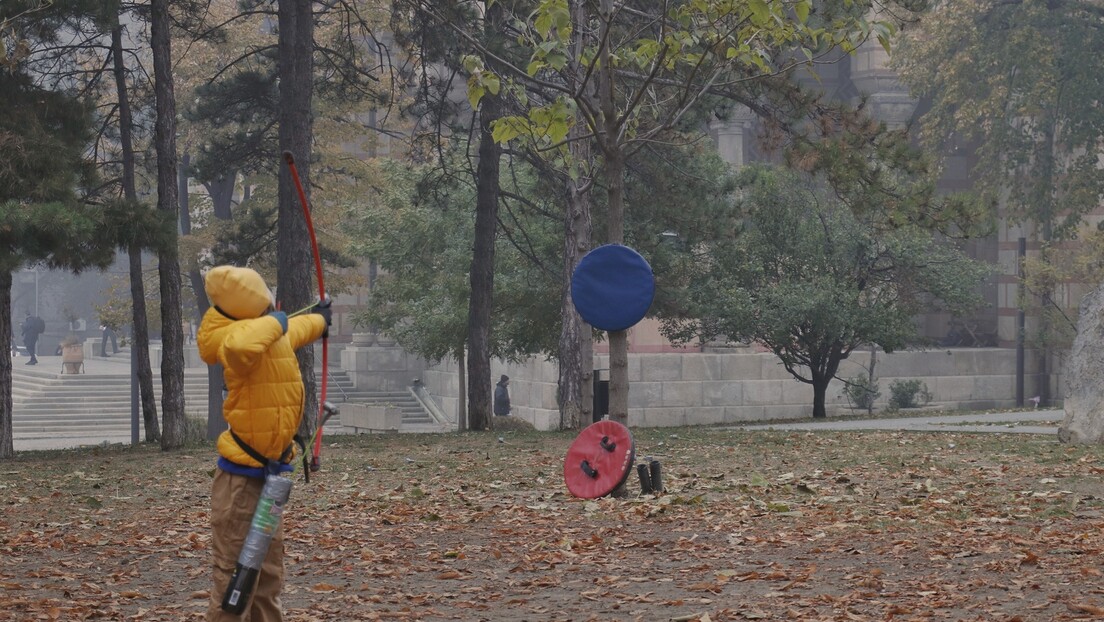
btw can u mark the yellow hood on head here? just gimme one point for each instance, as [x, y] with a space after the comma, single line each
[238, 292]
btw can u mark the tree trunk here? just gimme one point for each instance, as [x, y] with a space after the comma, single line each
[168, 266]
[140, 343]
[294, 257]
[576, 347]
[126, 142]
[222, 195]
[1046, 196]
[821, 371]
[820, 390]
[7, 444]
[615, 178]
[462, 401]
[183, 171]
[870, 374]
[216, 424]
[576, 341]
[140, 334]
[481, 274]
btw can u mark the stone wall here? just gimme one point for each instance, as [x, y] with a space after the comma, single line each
[442, 381]
[380, 367]
[718, 388]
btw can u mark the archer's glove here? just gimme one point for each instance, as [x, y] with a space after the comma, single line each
[324, 308]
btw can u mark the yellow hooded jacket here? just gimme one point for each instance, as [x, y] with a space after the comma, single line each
[264, 403]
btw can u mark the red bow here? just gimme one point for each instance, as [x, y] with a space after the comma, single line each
[315, 461]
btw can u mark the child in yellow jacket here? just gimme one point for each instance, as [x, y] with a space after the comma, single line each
[263, 408]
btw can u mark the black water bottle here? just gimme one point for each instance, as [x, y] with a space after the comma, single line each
[266, 520]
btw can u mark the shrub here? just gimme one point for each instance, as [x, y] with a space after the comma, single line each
[861, 392]
[908, 394]
[512, 424]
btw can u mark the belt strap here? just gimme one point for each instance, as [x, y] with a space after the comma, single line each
[284, 457]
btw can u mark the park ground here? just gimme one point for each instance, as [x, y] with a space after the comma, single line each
[755, 525]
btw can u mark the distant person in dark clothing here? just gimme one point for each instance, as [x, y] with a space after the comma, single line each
[32, 327]
[502, 397]
[108, 333]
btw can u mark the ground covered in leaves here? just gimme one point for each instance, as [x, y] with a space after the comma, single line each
[753, 526]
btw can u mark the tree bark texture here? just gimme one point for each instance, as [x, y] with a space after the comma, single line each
[216, 424]
[126, 141]
[820, 388]
[182, 172]
[615, 178]
[462, 402]
[222, 195]
[294, 257]
[576, 346]
[7, 444]
[140, 334]
[1083, 401]
[821, 373]
[174, 430]
[481, 274]
[140, 343]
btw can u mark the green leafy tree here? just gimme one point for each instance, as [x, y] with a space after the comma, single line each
[639, 72]
[416, 221]
[587, 86]
[420, 298]
[44, 135]
[262, 78]
[1011, 83]
[442, 37]
[82, 44]
[114, 309]
[1066, 270]
[418, 226]
[812, 282]
[1011, 86]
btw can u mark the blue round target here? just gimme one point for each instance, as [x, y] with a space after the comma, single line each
[612, 287]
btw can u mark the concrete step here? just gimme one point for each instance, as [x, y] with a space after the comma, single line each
[65, 401]
[47, 403]
[120, 421]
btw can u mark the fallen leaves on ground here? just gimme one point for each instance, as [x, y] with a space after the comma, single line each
[752, 526]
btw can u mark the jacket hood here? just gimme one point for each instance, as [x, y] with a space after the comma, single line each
[238, 292]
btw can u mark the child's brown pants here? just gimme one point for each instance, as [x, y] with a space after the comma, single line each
[233, 500]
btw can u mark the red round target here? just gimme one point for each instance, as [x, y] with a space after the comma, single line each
[599, 460]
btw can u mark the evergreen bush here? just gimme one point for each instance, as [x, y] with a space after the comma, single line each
[908, 394]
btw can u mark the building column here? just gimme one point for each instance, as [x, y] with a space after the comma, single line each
[887, 99]
[731, 135]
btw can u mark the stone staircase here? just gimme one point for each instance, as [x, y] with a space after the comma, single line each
[414, 417]
[48, 404]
